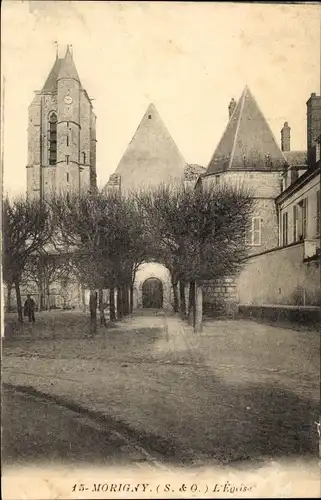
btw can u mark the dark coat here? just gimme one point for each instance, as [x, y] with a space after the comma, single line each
[29, 306]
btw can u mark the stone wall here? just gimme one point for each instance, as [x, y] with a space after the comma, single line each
[220, 297]
[280, 277]
[264, 188]
[62, 296]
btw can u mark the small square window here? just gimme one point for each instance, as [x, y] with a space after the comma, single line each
[149, 117]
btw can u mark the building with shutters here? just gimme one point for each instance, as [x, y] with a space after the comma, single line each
[283, 267]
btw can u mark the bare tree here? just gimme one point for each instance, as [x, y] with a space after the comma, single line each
[105, 234]
[27, 228]
[46, 267]
[204, 230]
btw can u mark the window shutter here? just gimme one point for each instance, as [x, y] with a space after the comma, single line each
[295, 218]
[318, 214]
[285, 229]
[305, 217]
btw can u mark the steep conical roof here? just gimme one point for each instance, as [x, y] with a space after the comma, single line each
[247, 142]
[51, 82]
[68, 68]
[152, 157]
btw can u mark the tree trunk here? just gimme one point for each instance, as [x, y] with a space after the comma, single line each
[198, 309]
[119, 303]
[101, 308]
[83, 299]
[131, 299]
[18, 297]
[39, 297]
[112, 310]
[191, 304]
[48, 296]
[182, 299]
[175, 293]
[125, 300]
[128, 298]
[93, 306]
[9, 290]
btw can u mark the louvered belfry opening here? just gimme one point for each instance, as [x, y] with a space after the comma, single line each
[53, 139]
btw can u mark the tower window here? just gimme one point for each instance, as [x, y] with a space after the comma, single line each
[52, 139]
[84, 158]
[67, 159]
[67, 140]
[67, 177]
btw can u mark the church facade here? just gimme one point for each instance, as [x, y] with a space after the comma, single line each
[284, 240]
[61, 158]
[151, 159]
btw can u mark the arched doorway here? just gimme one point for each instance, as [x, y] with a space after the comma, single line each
[152, 292]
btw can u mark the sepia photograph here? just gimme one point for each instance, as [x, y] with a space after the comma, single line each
[160, 249]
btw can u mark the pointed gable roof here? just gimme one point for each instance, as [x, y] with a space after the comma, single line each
[51, 82]
[247, 142]
[152, 157]
[68, 68]
[64, 67]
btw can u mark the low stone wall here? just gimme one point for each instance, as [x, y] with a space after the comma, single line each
[61, 297]
[280, 276]
[308, 316]
[219, 297]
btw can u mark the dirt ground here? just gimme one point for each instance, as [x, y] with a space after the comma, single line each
[238, 391]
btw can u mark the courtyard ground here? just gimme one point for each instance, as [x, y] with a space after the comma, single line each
[238, 391]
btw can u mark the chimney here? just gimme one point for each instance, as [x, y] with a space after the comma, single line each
[231, 107]
[313, 125]
[285, 137]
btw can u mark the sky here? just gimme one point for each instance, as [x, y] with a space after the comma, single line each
[188, 58]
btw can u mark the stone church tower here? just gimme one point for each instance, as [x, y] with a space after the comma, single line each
[61, 134]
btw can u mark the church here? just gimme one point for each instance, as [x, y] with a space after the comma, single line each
[61, 134]
[283, 265]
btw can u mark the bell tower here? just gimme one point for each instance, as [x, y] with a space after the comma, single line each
[61, 134]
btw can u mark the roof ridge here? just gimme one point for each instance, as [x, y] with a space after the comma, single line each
[267, 123]
[237, 126]
[225, 130]
[68, 68]
[51, 80]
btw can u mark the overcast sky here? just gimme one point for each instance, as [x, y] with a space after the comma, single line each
[189, 59]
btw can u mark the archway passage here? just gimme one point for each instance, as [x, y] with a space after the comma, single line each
[152, 291]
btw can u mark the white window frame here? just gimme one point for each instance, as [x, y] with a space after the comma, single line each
[295, 219]
[250, 241]
[318, 214]
[318, 151]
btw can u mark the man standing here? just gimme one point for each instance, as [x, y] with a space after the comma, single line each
[29, 309]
